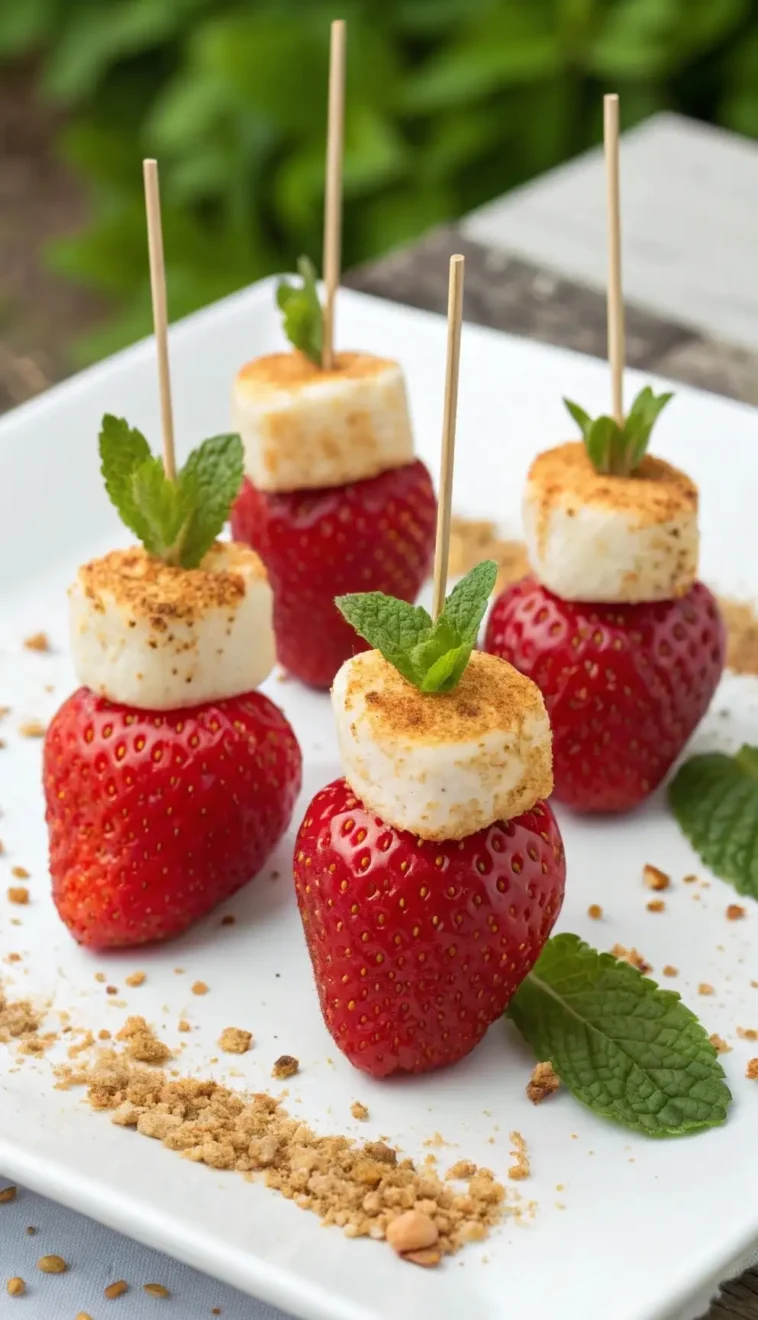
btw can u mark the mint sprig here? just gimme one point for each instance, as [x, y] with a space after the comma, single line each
[177, 521]
[303, 316]
[615, 449]
[715, 800]
[629, 1050]
[430, 655]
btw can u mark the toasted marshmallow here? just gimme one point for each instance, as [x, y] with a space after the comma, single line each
[592, 537]
[304, 428]
[156, 637]
[443, 765]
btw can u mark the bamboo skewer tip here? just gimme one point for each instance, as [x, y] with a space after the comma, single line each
[160, 314]
[449, 419]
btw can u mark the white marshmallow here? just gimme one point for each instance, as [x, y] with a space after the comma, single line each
[156, 637]
[593, 537]
[303, 428]
[442, 765]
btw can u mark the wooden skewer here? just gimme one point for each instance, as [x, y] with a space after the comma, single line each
[333, 196]
[616, 337]
[160, 317]
[450, 413]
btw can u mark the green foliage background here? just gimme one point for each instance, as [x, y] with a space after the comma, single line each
[450, 103]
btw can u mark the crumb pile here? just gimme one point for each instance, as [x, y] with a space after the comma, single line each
[361, 1187]
[20, 1021]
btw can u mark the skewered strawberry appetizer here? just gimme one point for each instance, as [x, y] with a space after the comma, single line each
[168, 779]
[333, 500]
[429, 878]
[625, 644]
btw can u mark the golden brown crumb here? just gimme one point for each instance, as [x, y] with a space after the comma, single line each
[38, 641]
[741, 635]
[595, 911]
[690, 880]
[359, 1111]
[32, 729]
[142, 1043]
[31, 1231]
[19, 872]
[103, 1034]
[412, 1231]
[18, 894]
[155, 1290]
[18, 1020]
[52, 1265]
[656, 905]
[461, 1169]
[229, 920]
[633, 957]
[752, 1070]
[747, 1033]
[735, 912]
[521, 1168]
[183, 1025]
[111, 989]
[719, 1044]
[655, 879]
[426, 1256]
[542, 1083]
[83, 1315]
[361, 1187]
[116, 1289]
[199, 988]
[15, 1287]
[8, 1194]
[101, 977]
[668, 970]
[85, 1043]
[705, 989]
[234, 1040]
[285, 1066]
[136, 978]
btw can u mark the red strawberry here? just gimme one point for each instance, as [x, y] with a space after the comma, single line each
[417, 947]
[625, 685]
[155, 817]
[375, 535]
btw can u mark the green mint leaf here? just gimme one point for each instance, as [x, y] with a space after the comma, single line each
[715, 800]
[467, 602]
[122, 450]
[208, 482]
[624, 1047]
[582, 419]
[392, 626]
[303, 317]
[639, 424]
[163, 508]
[602, 443]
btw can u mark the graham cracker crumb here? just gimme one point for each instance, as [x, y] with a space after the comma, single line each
[655, 879]
[705, 989]
[32, 729]
[690, 880]
[735, 912]
[359, 1111]
[360, 1187]
[142, 1043]
[234, 1040]
[18, 1020]
[633, 957]
[15, 1287]
[116, 1289]
[136, 979]
[656, 905]
[741, 624]
[521, 1168]
[103, 1034]
[20, 873]
[184, 1025]
[101, 977]
[668, 970]
[719, 1044]
[111, 989]
[747, 1033]
[38, 641]
[18, 894]
[461, 1169]
[199, 988]
[595, 911]
[286, 1066]
[8, 1194]
[155, 1290]
[52, 1265]
[542, 1083]
[229, 919]
[85, 1043]
[427, 1256]
[752, 1070]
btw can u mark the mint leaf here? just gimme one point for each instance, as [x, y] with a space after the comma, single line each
[391, 626]
[303, 315]
[209, 482]
[163, 508]
[432, 656]
[582, 419]
[122, 450]
[624, 1047]
[715, 800]
[642, 417]
[602, 444]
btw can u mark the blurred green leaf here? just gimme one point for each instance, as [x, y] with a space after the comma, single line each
[24, 26]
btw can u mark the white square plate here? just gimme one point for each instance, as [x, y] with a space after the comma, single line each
[638, 1226]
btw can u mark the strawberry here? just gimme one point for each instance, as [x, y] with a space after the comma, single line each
[625, 685]
[154, 818]
[374, 535]
[417, 946]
